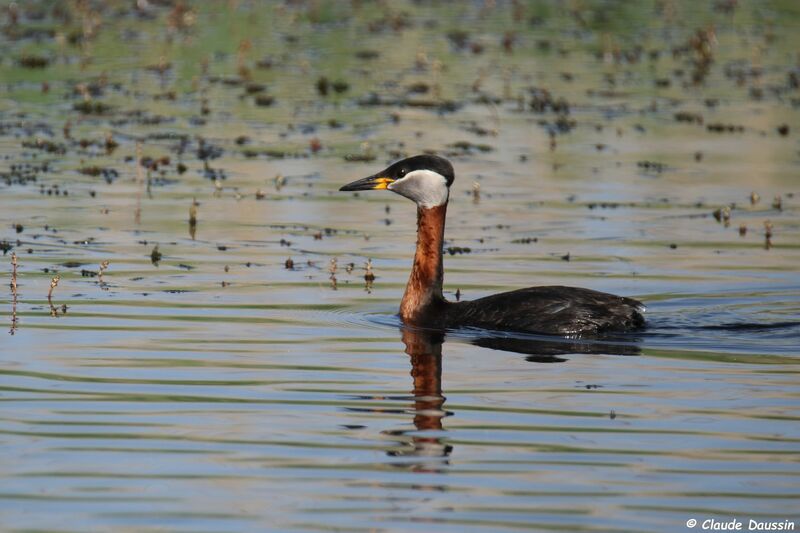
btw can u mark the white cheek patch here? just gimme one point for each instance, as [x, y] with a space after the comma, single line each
[426, 187]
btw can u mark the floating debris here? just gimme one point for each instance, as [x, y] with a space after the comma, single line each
[719, 127]
[369, 276]
[45, 145]
[110, 143]
[651, 166]
[34, 62]
[264, 100]
[14, 294]
[332, 266]
[155, 256]
[14, 274]
[691, 118]
[453, 250]
[367, 54]
[137, 213]
[723, 214]
[92, 108]
[360, 158]
[207, 151]
[467, 147]
[193, 217]
[323, 86]
[109, 174]
[340, 86]
[767, 234]
[254, 88]
[434, 104]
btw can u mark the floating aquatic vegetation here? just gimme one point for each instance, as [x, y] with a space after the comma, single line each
[33, 61]
[264, 100]
[45, 145]
[92, 107]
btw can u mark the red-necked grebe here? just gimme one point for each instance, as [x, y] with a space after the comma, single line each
[568, 311]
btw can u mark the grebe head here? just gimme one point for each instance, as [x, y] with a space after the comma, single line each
[426, 179]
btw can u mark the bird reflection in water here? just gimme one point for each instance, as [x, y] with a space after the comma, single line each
[425, 448]
[425, 351]
[549, 349]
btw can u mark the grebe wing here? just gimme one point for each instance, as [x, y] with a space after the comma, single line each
[554, 309]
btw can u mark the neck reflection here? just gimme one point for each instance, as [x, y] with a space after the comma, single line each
[425, 440]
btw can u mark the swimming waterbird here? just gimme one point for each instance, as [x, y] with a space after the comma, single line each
[558, 310]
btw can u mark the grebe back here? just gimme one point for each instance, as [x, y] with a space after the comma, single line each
[567, 311]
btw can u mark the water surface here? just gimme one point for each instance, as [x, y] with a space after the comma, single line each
[219, 390]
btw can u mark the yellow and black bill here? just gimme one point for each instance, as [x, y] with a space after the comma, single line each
[375, 182]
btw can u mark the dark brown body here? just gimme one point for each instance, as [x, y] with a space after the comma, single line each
[557, 310]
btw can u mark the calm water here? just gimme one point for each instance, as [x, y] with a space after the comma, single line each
[219, 390]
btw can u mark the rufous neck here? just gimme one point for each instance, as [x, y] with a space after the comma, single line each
[424, 286]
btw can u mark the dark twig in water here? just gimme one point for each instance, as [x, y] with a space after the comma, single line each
[103, 268]
[193, 218]
[155, 255]
[767, 234]
[14, 319]
[332, 269]
[53, 285]
[369, 276]
[137, 214]
[110, 143]
[14, 274]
